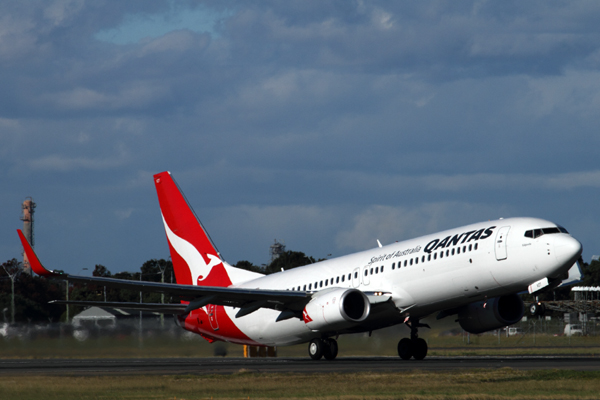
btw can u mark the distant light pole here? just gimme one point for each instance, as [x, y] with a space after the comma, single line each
[141, 327]
[162, 295]
[12, 275]
[67, 296]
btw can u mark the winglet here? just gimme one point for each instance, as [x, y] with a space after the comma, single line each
[34, 261]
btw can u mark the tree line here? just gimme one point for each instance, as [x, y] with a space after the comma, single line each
[32, 293]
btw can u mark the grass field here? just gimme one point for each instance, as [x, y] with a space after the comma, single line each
[477, 384]
[460, 384]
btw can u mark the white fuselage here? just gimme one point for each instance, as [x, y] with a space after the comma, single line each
[428, 274]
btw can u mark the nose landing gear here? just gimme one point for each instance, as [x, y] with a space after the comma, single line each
[414, 347]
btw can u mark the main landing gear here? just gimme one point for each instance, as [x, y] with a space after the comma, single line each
[537, 309]
[414, 347]
[327, 348]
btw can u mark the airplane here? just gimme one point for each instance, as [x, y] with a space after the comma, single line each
[474, 272]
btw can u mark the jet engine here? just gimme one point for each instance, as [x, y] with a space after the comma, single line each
[336, 309]
[495, 313]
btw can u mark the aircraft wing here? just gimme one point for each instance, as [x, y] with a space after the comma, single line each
[248, 300]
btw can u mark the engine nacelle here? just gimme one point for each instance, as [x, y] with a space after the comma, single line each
[335, 309]
[498, 312]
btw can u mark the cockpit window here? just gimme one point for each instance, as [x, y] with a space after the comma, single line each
[536, 233]
[550, 230]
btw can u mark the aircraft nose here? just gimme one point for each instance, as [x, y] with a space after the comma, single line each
[567, 249]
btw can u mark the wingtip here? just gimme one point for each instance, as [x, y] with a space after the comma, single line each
[34, 261]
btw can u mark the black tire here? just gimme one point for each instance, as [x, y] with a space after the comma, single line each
[405, 349]
[542, 309]
[330, 349]
[315, 349]
[419, 347]
[537, 309]
[533, 309]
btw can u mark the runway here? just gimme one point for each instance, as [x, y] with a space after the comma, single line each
[206, 366]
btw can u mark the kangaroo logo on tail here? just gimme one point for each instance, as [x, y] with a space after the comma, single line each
[194, 256]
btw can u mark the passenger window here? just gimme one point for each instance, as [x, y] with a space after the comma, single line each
[337, 280]
[305, 288]
[355, 275]
[411, 261]
[405, 263]
[416, 260]
[476, 244]
[452, 251]
[321, 285]
[371, 271]
[343, 276]
[423, 259]
[464, 249]
[429, 257]
[470, 247]
[376, 270]
[393, 266]
[441, 254]
[458, 250]
[366, 272]
[434, 256]
[382, 268]
[310, 286]
[447, 253]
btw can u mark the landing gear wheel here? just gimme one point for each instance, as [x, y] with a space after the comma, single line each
[330, 349]
[537, 309]
[405, 349]
[419, 348]
[315, 349]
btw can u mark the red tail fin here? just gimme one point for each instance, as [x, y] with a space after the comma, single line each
[195, 258]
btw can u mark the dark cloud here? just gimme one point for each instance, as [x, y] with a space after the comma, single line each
[323, 124]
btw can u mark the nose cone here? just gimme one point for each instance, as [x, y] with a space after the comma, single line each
[567, 249]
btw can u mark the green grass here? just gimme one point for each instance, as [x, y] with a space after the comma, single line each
[502, 383]
[380, 344]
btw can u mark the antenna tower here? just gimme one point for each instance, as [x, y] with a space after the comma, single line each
[27, 210]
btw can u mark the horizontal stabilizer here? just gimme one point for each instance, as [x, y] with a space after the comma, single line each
[151, 307]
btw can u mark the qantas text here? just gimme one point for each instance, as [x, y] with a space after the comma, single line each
[458, 239]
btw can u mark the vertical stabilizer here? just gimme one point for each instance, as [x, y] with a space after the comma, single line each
[196, 260]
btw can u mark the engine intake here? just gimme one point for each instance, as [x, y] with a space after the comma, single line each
[335, 309]
[498, 312]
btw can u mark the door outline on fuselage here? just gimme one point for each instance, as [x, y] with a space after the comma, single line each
[500, 243]
[365, 278]
[356, 277]
[212, 316]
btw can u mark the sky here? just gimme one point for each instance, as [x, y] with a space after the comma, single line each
[323, 124]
